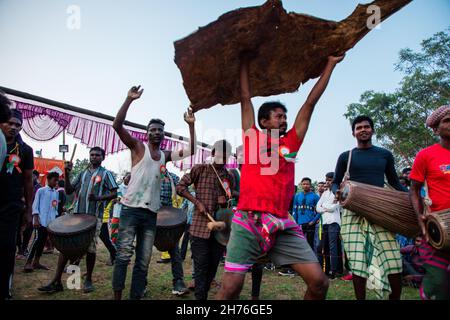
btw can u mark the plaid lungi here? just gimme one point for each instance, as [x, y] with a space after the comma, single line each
[372, 251]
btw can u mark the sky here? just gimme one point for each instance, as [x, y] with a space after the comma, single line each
[123, 43]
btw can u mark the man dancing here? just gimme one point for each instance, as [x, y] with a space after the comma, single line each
[142, 200]
[261, 224]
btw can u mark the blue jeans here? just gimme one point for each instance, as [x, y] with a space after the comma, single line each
[330, 235]
[134, 223]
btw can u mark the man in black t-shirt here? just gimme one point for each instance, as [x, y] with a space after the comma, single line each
[16, 182]
[372, 251]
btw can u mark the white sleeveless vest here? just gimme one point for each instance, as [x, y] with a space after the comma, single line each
[144, 189]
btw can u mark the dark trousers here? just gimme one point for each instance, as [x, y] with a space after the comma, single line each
[257, 273]
[207, 254]
[10, 215]
[185, 242]
[309, 232]
[330, 239]
[177, 264]
[37, 247]
[106, 239]
[23, 238]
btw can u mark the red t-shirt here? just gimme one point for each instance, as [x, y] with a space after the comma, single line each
[267, 177]
[433, 165]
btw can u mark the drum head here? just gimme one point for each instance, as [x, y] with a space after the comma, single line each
[434, 232]
[71, 224]
[170, 217]
[225, 215]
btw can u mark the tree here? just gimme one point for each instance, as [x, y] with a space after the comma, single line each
[78, 167]
[399, 117]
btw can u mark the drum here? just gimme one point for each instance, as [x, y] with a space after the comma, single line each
[72, 234]
[438, 229]
[170, 226]
[225, 215]
[388, 208]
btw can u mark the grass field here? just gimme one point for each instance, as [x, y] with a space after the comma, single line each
[160, 283]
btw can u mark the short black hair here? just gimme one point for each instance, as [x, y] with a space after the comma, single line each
[158, 121]
[405, 170]
[221, 144]
[36, 173]
[306, 179]
[52, 175]
[102, 151]
[61, 183]
[5, 112]
[321, 182]
[330, 175]
[266, 108]
[360, 119]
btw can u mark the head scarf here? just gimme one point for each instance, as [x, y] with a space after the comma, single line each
[435, 118]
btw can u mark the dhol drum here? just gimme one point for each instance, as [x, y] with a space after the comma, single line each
[438, 229]
[388, 208]
[225, 215]
[73, 233]
[170, 226]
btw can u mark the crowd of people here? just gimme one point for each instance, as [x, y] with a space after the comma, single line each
[307, 233]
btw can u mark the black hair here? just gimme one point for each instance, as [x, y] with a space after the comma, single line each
[330, 175]
[266, 108]
[61, 183]
[360, 119]
[102, 151]
[158, 121]
[405, 170]
[5, 112]
[306, 179]
[222, 144]
[36, 173]
[52, 175]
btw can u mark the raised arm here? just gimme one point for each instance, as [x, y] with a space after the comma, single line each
[247, 111]
[304, 115]
[191, 149]
[136, 147]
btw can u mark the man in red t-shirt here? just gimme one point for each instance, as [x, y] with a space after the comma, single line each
[432, 165]
[261, 224]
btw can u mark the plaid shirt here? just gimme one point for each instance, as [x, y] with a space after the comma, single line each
[166, 189]
[208, 189]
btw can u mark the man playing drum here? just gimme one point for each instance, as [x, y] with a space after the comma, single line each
[261, 223]
[142, 200]
[432, 165]
[372, 251]
[213, 185]
[93, 187]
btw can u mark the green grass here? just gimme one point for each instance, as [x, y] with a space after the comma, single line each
[160, 283]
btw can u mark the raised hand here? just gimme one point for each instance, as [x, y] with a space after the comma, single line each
[189, 117]
[134, 93]
[68, 166]
[336, 59]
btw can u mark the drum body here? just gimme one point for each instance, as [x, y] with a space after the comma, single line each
[388, 208]
[438, 229]
[170, 226]
[73, 233]
[225, 215]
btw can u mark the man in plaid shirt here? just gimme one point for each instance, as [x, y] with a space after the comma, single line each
[211, 193]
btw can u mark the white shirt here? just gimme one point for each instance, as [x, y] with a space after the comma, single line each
[331, 212]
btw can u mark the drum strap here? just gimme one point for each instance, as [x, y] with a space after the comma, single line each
[221, 182]
[347, 173]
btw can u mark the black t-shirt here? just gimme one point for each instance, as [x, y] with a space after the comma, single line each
[368, 166]
[19, 158]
